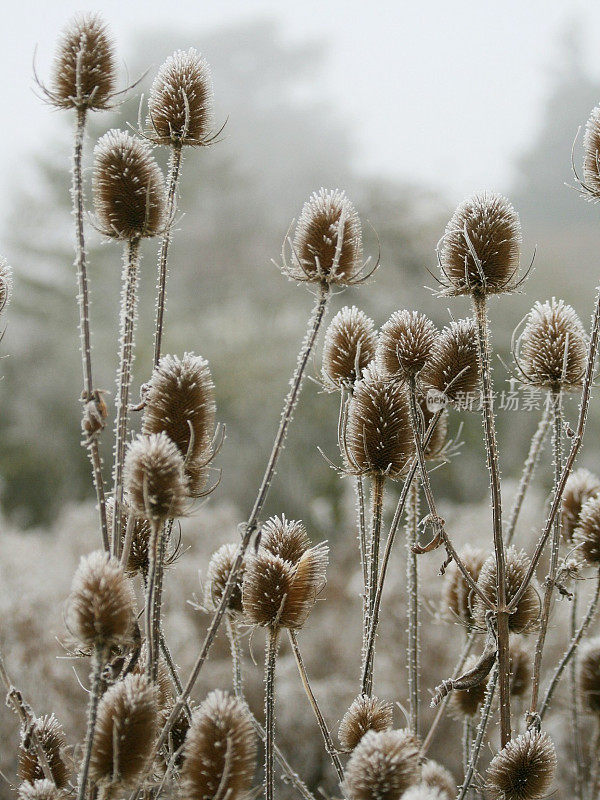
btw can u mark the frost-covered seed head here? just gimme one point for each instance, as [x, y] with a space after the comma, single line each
[365, 714]
[286, 538]
[180, 105]
[129, 189]
[581, 486]
[350, 341]
[421, 791]
[480, 251]
[404, 345]
[589, 675]
[452, 367]
[51, 737]
[217, 573]
[456, 595]
[84, 72]
[591, 159]
[100, 606]
[467, 702]
[40, 790]
[525, 617]
[154, 478]
[438, 778]
[219, 756]
[382, 766]
[523, 770]
[6, 284]
[586, 536]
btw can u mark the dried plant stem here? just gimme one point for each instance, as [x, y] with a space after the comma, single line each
[152, 614]
[236, 655]
[161, 286]
[362, 541]
[270, 660]
[466, 743]
[479, 736]
[595, 759]
[377, 488]
[83, 301]
[574, 703]
[176, 680]
[489, 424]
[329, 746]
[535, 450]
[127, 329]
[98, 661]
[412, 589]
[551, 577]
[573, 645]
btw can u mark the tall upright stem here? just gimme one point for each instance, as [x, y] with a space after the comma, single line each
[270, 659]
[481, 729]
[163, 255]
[489, 425]
[412, 588]
[152, 599]
[83, 301]
[98, 659]
[127, 330]
[377, 484]
[574, 703]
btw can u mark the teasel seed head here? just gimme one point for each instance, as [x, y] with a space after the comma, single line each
[378, 436]
[154, 478]
[480, 251]
[40, 790]
[520, 669]
[382, 766]
[421, 791]
[51, 737]
[467, 702]
[586, 536]
[286, 538]
[523, 770]
[125, 731]
[350, 342]
[138, 552]
[438, 778]
[180, 105]
[404, 345]
[101, 604]
[580, 487]
[181, 402]
[217, 573]
[6, 284]
[129, 189]
[452, 368]
[84, 72]
[327, 245]
[219, 755]
[365, 714]
[525, 616]
[591, 159]
[589, 675]
[552, 349]
[280, 594]
[456, 595]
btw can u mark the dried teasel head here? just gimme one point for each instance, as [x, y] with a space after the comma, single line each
[480, 250]
[404, 345]
[421, 791]
[84, 72]
[456, 595]
[365, 714]
[348, 347]
[580, 487]
[219, 567]
[100, 607]
[40, 790]
[51, 737]
[552, 349]
[591, 159]
[219, 756]
[327, 245]
[286, 538]
[523, 770]
[180, 105]
[520, 669]
[452, 368]
[154, 478]
[525, 616]
[125, 731]
[129, 189]
[280, 594]
[437, 777]
[586, 536]
[382, 766]
[181, 402]
[589, 675]
[6, 284]
[467, 702]
[378, 437]
[138, 552]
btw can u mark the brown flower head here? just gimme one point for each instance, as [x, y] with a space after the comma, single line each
[286, 538]
[84, 73]
[437, 777]
[279, 593]
[181, 402]
[327, 246]
[138, 553]
[129, 189]
[154, 479]
[180, 105]
[581, 486]
[125, 731]
[219, 756]
[587, 533]
[6, 284]
[51, 737]
[382, 766]
[452, 367]
[591, 159]
[378, 437]
[40, 790]
[523, 770]
[589, 675]
[217, 573]
[456, 595]
[365, 714]
[480, 251]
[525, 616]
[520, 669]
[467, 702]
[348, 347]
[100, 607]
[404, 345]
[552, 349]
